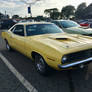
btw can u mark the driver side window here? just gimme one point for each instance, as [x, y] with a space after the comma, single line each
[18, 30]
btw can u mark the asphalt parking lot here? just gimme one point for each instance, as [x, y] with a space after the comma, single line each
[65, 81]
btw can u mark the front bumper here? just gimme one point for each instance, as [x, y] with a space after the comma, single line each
[75, 63]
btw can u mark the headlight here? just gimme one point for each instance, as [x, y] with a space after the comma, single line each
[64, 59]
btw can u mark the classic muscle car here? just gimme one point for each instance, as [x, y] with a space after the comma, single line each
[72, 27]
[48, 46]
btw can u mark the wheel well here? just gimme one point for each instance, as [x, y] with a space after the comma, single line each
[5, 39]
[33, 54]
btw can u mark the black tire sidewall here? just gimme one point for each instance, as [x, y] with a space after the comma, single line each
[43, 71]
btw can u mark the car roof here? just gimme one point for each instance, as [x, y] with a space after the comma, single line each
[28, 23]
[61, 20]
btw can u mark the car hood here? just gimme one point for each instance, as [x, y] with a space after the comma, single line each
[80, 30]
[64, 41]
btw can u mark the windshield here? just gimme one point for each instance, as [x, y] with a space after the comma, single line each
[68, 23]
[37, 29]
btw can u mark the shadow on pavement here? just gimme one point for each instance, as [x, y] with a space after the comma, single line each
[56, 82]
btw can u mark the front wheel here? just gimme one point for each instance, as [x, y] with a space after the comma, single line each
[41, 65]
[8, 46]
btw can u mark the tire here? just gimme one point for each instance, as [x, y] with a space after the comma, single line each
[41, 65]
[8, 46]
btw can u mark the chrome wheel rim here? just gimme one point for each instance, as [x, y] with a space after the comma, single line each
[7, 46]
[40, 64]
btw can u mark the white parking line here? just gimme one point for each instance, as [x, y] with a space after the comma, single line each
[26, 84]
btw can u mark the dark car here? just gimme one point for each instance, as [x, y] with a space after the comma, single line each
[7, 23]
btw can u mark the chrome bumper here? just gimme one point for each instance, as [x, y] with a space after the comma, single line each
[75, 63]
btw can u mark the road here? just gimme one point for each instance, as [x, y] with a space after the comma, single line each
[64, 81]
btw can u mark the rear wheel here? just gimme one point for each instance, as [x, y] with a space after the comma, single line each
[41, 65]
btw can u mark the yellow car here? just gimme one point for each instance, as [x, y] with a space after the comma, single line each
[48, 46]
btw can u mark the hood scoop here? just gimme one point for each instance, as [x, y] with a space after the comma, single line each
[61, 38]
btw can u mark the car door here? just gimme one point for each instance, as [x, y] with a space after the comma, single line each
[18, 38]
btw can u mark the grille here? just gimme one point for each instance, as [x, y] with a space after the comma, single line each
[79, 55]
[88, 34]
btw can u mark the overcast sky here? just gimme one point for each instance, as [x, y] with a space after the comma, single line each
[13, 7]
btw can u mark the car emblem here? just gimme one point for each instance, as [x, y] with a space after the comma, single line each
[67, 46]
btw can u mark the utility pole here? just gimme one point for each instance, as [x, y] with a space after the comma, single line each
[5, 13]
[5, 16]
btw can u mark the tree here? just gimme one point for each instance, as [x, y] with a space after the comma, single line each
[88, 12]
[52, 13]
[55, 15]
[47, 12]
[67, 11]
[15, 16]
[80, 12]
[1, 15]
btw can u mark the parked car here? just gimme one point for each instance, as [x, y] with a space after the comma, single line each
[48, 46]
[21, 21]
[72, 27]
[7, 23]
[85, 24]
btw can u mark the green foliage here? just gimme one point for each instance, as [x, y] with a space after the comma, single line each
[52, 13]
[15, 16]
[88, 12]
[67, 11]
[80, 12]
[84, 12]
[55, 15]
